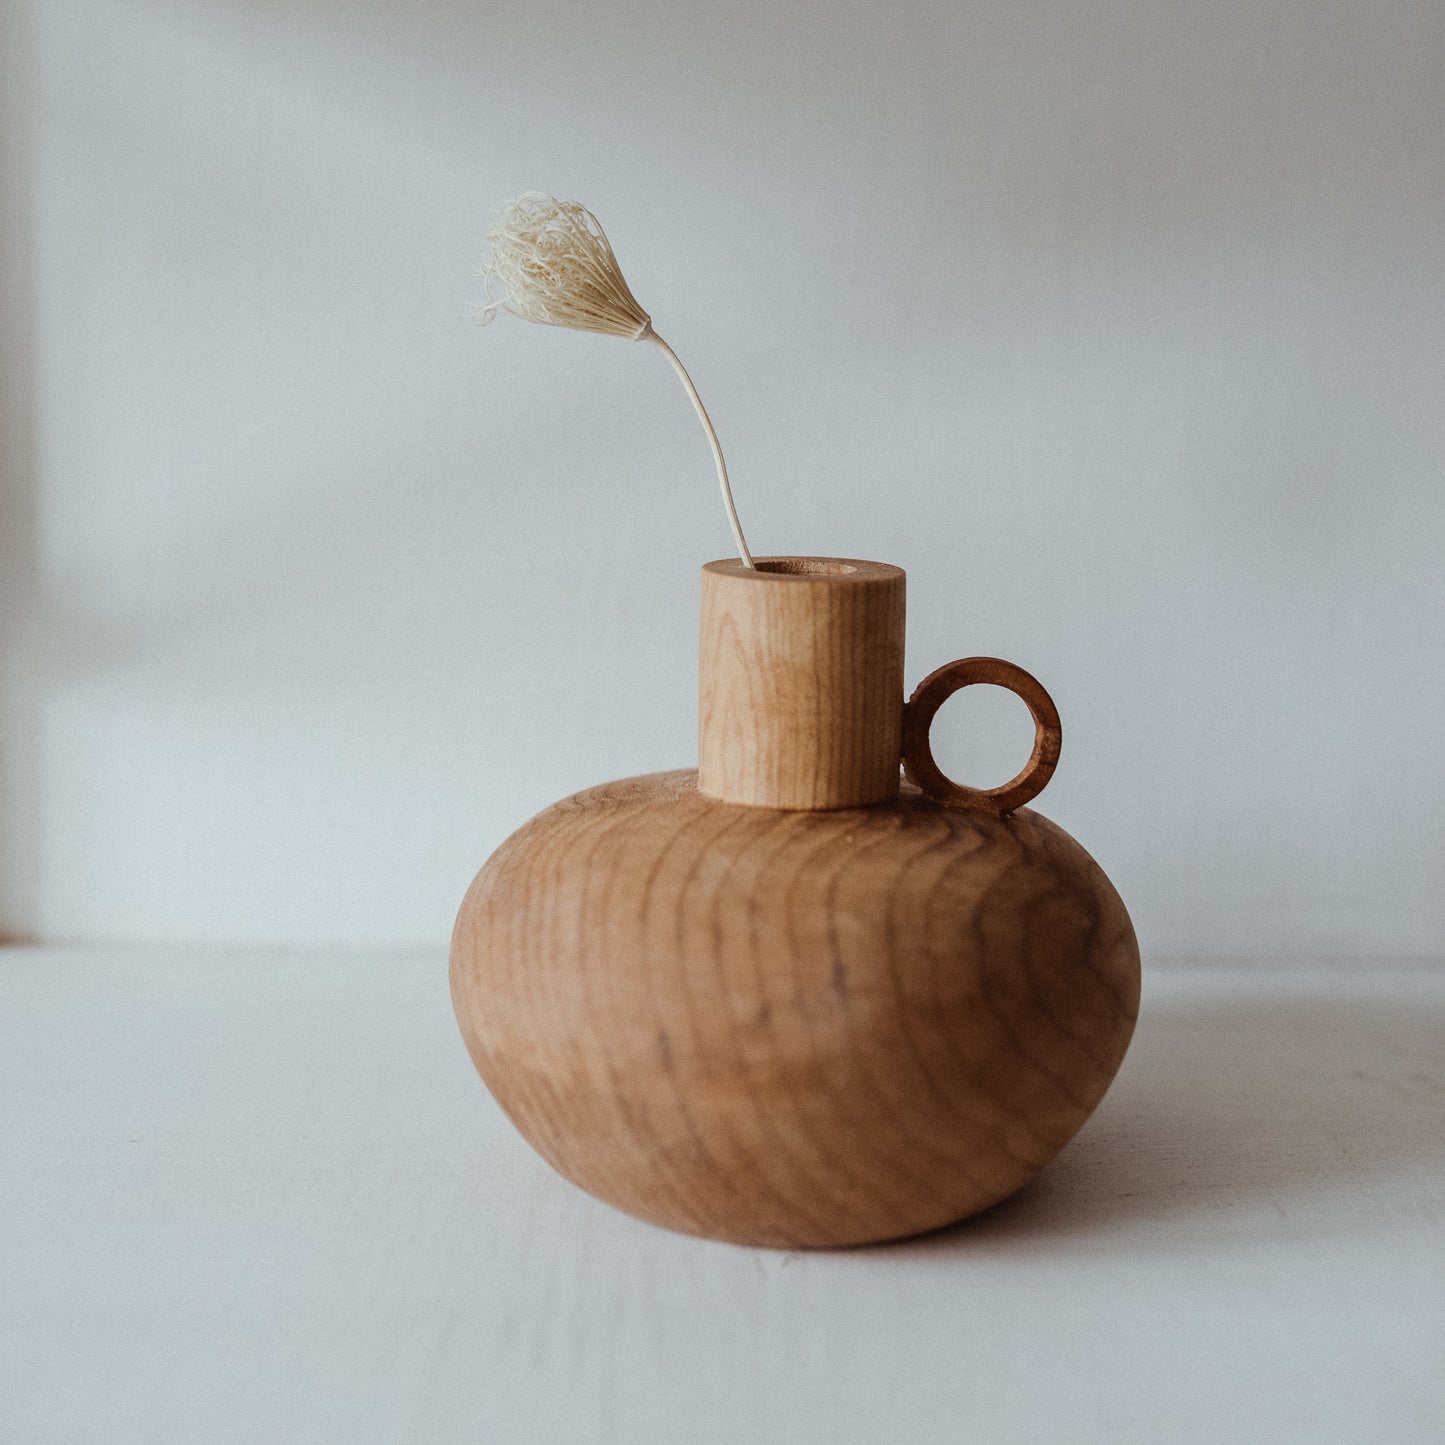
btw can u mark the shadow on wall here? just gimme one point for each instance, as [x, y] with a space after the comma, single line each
[1271, 1114]
[19, 513]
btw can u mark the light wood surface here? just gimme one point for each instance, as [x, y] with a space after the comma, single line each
[800, 680]
[793, 1028]
[257, 1197]
[777, 1001]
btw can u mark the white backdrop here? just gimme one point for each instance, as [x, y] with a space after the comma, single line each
[1119, 325]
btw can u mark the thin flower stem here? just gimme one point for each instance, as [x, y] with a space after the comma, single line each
[717, 456]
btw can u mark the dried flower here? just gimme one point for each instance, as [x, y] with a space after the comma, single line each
[551, 263]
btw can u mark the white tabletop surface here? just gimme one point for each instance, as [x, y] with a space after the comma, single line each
[263, 1198]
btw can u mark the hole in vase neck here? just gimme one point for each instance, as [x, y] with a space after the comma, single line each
[806, 566]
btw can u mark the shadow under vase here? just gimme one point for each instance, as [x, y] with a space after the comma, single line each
[1250, 1106]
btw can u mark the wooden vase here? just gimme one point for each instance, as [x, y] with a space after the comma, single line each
[788, 999]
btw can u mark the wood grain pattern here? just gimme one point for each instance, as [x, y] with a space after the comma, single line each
[792, 1028]
[800, 682]
[841, 1013]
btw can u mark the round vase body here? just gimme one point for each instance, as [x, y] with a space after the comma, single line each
[810, 1028]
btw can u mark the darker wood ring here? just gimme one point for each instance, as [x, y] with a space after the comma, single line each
[935, 689]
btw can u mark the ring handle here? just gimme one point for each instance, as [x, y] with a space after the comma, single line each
[918, 764]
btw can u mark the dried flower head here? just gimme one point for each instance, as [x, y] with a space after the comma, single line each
[551, 262]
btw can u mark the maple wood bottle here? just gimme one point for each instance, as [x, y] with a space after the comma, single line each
[788, 999]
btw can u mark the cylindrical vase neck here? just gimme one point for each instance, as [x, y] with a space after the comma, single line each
[800, 672]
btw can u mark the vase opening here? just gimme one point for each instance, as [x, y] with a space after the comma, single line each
[806, 566]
